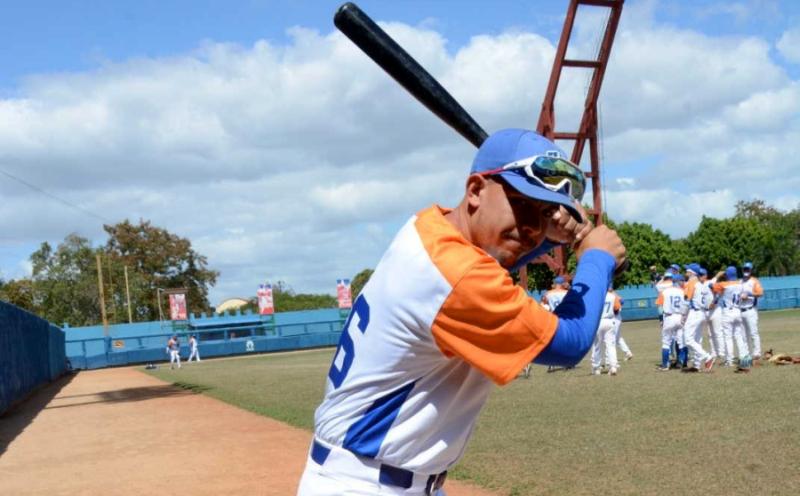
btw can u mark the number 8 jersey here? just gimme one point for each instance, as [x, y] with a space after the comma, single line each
[438, 322]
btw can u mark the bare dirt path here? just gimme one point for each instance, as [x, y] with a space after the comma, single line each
[119, 431]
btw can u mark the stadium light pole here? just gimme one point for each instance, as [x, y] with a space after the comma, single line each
[158, 297]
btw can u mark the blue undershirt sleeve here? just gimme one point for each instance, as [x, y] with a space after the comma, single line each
[579, 312]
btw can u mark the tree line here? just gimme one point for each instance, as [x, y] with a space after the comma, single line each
[64, 287]
[757, 232]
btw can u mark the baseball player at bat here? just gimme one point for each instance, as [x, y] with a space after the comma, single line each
[417, 360]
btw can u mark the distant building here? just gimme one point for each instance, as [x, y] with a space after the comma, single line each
[231, 304]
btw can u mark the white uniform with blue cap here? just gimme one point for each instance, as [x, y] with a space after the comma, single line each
[698, 298]
[730, 292]
[751, 292]
[417, 361]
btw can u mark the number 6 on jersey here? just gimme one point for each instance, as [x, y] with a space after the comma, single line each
[345, 352]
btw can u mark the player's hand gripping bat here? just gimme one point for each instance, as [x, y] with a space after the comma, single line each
[391, 57]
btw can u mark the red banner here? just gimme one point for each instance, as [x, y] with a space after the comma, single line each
[343, 293]
[177, 306]
[265, 305]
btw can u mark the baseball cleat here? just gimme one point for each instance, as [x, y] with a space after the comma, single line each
[709, 364]
[596, 371]
[612, 371]
[628, 356]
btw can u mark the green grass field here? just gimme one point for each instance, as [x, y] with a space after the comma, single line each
[641, 432]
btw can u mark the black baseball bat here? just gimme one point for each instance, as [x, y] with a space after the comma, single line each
[390, 56]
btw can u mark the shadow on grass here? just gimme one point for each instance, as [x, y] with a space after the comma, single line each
[19, 416]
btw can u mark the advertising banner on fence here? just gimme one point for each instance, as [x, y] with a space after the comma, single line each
[264, 293]
[343, 293]
[177, 306]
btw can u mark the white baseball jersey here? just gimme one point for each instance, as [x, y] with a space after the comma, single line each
[729, 293]
[671, 300]
[438, 322]
[553, 298]
[663, 284]
[698, 294]
[611, 305]
[751, 291]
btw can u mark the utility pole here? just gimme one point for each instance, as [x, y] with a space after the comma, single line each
[128, 295]
[102, 296]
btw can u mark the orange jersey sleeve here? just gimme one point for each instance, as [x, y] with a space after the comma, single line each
[660, 299]
[617, 303]
[757, 289]
[492, 323]
[688, 291]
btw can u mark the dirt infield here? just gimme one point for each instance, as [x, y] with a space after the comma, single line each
[119, 431]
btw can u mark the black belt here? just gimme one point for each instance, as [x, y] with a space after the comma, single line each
[389, 475]
[748, 309]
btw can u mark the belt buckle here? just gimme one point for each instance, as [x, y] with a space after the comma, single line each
[435, 482]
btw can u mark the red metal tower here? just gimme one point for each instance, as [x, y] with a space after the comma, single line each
[587, 130]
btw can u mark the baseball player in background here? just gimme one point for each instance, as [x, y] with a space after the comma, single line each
[671, 301]
[553, 297]
[730, 290]
[748, 303]
[193, 349]
[174, 347]
[713, 318]
[550, 300]
[604, 344]
[623, 346]
[698, 297]
[416, 361]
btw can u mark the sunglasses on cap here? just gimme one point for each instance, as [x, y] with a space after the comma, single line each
[552, 173]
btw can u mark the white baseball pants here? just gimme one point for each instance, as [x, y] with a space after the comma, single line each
[605, 344]
[750, 322]
[194, 354]
[733, 330]
[716, 342]
[693, 336]
[670, 328]
[174, 356]
[619, 339]
[345, 474]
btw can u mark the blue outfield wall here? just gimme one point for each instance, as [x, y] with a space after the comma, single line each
[32, 353]
[88, 348]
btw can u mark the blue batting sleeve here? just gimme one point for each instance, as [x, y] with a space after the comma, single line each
[579, 312]
[543, 248]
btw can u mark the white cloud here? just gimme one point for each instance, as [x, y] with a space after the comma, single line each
[299, 161]
[789, 45]
[677, 214]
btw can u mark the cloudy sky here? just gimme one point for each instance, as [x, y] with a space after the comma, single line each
[259, 132]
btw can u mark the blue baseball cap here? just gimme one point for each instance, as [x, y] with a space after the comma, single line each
[668, 275]
[703, 272]
[559, 280]
[508, 145]
[748, 266]
[678, 278]
[694, 267]
[730, 273]
[675, 267]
